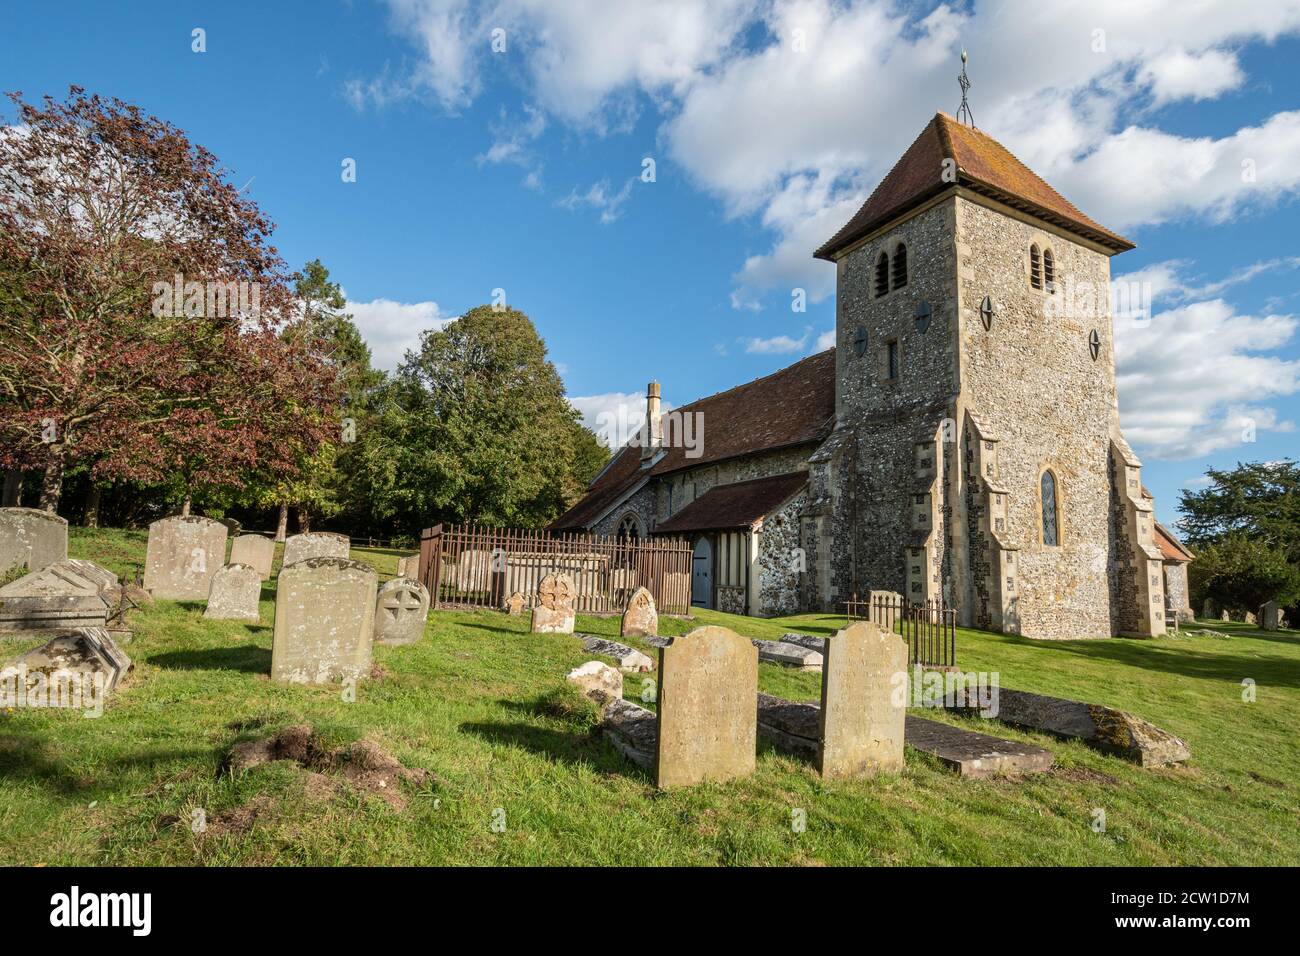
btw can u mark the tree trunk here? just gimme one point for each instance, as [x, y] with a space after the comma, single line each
[185, 506]
[52, 479]
[92, 506]
[304, 520]
[13, 493]
[282, 529]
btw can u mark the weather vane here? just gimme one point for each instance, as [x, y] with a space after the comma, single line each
[963, 112]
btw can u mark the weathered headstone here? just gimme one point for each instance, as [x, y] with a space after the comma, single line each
[254, 550]
[554, 611]
[235, 593]
[324, 621]
[76, 669]
[184, 553]
[598, 681]
[640, 619]
[1209, 610]
[1250, 618]
[515, 604]
[315, 544]
[31, 539]
[401, 611]
[708, 685]
[408, 566]
[862, 719]
[1270, 616]
[66, 594]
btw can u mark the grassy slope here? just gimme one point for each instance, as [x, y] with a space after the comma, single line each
[121, 789]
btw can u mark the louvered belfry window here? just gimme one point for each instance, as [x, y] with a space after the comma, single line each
[1049, 271]
[900, 266]
[882, 275]
[1035, 268]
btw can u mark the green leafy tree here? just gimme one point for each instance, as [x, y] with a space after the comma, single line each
[1241, 573]
[475, 427]
[1260, 500]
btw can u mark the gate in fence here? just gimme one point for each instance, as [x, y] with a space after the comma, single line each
[930, 628]
[471, 567]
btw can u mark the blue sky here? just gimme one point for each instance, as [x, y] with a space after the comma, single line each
[768, 123]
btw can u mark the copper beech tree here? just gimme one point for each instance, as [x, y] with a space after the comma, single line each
[142, 310]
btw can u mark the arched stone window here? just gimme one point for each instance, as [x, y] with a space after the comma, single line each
[1051, 510]
[629, 529]
[900, 266]
[1035, 267]
[1049, 271]
[882, 274]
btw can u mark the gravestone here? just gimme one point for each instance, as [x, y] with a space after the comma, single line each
[707, 717]
[62, 595]
[77, 668]
[31, 539]
[554, 611]
[1208, 609]
[236, 590]
[184, 553]
[408, 566]
[315, 544]
[640, 619]
[515, 604]
[401, 611]
[255, 551]
[324, 621]
[862, 719]
[1270, 616]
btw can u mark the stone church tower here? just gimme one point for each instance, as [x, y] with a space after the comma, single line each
[977, 455]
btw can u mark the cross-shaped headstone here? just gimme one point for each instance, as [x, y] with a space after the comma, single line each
[404, 600]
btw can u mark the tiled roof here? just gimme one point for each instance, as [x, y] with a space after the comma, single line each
[793, 406]
[983, 165]
[1170, 547]
[738, 505]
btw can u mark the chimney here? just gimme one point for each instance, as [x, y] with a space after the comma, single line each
[653, 432]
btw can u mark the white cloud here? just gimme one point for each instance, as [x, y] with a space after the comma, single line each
[777, 344]
[825, 341]
[614, 416]
[600, 197]
[391, 328]
[513, 143]
[1178, 75]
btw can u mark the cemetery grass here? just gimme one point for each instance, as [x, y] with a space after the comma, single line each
[474, 703]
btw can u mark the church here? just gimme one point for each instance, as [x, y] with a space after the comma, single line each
[960, 443]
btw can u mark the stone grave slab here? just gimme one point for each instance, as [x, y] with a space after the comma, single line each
[788, 655]
[31, 539]
[184, 553]
[640, 619]
[629, 659]
[401, 610]
[315, 544]
[235, 593]
[706, 730]
[65, 594]
[861, 715]
[599, 681]
[631, 728]
[76, 668]
[256, 551]
[324, 621]
[515, 604]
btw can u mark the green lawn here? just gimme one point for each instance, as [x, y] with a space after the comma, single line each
[469, 704]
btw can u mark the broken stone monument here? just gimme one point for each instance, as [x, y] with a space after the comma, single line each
[401, 611]
[324, 621]
[76, 669]
[254, 550]
[515, 604]
[66, 594]
[31, 539]
[315, 544]
[235, 593]
[184, 553]
[861, 715]
[554, 611]
[706, 729]
[640, 619]
[598, 681]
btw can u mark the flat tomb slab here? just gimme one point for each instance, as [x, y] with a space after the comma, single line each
[795, 727]
[789, 655]
[631, 728]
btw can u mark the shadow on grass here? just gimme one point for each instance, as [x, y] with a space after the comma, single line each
[28, 758]
[247, 658]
